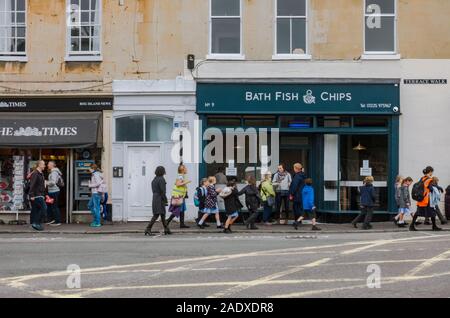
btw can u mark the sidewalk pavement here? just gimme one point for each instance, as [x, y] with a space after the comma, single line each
[139, 227]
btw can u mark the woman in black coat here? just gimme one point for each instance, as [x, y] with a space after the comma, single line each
[159, 201]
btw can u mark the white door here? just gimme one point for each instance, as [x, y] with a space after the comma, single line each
[142, 162]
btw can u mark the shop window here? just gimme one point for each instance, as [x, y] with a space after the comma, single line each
[361, 156]
[13, 27]
[223, 121]
[225, 27]
[296, 122]
[15, 164]
[291, 26]
[260, 121]
[380, 26]
[83, 28]
[130, 129]
[370, 122]
[334, 122]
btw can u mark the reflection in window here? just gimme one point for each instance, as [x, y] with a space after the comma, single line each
[380, 26]
[130, 129]
[291, 27]
[225, 27]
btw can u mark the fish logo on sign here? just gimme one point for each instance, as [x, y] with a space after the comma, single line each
[309, 98]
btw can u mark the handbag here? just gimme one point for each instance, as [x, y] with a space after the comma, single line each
[269, 199]
[176, 201]
[49, 200]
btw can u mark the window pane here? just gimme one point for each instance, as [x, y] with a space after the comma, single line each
[381, 39]
[95, 44]
[226, 35]
[75, 31]
[20, 45]
[75, 44]
[130, 128]
[291, 7]
[225, 7]
[299, 36]
[85, 44]
[85, 17]
[158, 128]
[297, 122]
[20, 17]
[371, 122]
[84, 4]
[283, 36]
[385, 6]
[20, 5]
[214, 121]
[85, 31]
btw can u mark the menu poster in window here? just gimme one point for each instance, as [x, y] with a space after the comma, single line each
[17, 198]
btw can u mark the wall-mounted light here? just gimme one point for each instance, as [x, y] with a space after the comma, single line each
[359, 147]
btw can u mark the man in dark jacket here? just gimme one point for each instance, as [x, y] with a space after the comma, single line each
[447, 203]
[37, 196]
[368, 199]
[295, 189]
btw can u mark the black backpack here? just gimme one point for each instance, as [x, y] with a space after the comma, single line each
[418, 191]
[26, 185]
[60, 182]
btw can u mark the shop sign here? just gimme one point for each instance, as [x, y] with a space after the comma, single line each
[60, 132]
[425, 81]
[16, 104]
[251, 98]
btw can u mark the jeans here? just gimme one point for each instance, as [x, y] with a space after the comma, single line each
[267, 212]
[94, 206]
[282, 197]
[38, 210]
[53, 212]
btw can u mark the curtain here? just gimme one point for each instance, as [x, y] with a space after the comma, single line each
[6, 26]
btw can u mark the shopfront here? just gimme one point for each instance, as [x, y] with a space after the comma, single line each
[69, 132]
[341, 131]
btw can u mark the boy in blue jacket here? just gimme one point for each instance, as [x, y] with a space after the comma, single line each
[309, 208]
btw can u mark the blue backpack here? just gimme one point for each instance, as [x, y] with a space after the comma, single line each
[199, 196]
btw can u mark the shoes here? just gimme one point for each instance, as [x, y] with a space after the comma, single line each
[253, 227]
[412, 228]
[149, 233]
[95, 224]
[315, 228]
[227, 231]
[167, 232]
[444, 222]
[295, 225]
[201, 226]
[51, 222]
[184, 226]
[220, 226]
[355, 225]
[435, 228]
[55, 224]
[37, 227]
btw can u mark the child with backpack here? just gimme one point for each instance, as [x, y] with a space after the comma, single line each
[309, 208]
[200, 197]
[211, 206]
[404, 201]
[232, 205]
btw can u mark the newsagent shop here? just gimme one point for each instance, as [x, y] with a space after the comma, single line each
[341, 131]
[68, 131]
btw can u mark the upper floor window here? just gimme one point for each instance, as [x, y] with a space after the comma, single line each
[83, 29]
[380, 27]
[143, 128]
[291, 27]
[13, 27]
[225, 27]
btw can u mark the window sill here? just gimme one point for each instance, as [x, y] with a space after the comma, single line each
[238, 57]
[87, 58]
[281, 57]
[12, 58]
[381, 57]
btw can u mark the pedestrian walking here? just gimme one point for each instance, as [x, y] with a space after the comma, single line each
[397, 186]
[159, 201]
[252, 201]
[178, 197]
[37, 196]
[211, 206]
[232, 205]
[447, 202]
[200, 198]
[295, 190]
[367, 193]
[435, 197]
[421, 193]
[54, 184]
[97, 185]
[404, 202]
[309, 207]
[282, 181]
[268, 197]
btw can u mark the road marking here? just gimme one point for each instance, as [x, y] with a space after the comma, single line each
[428, 263]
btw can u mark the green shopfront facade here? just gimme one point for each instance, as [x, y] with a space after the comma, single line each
[340, 130]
